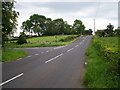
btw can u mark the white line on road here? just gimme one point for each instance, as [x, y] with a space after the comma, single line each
[54, 58]
[36, 54]
[28, 56]
[70, 49]
[11, 79]
[47, 51]
[42, 52]
[59, 47]
[76, 45]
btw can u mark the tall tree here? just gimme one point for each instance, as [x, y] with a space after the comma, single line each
[58, 26]
[109, 30]
[48, 26]
[27, 26]
[78, 26]
[9, 19]
[67, 28]
[38, 23]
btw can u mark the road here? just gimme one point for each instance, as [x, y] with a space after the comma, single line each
[48, 67]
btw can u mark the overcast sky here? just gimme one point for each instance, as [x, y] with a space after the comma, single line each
[104, 11]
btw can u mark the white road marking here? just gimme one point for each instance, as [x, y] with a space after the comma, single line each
[76, 45]
[70, 49]
[59, 47]
[54, 58]
[47, 51]
[42, 52]
[28, 56]
[11, 79]
[36, 54]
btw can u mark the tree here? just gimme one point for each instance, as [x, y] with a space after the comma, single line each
[117, 31]
[38, 23]
[88, 32]
[27, 26]
[109, 30]
[9, 19]
[67, 28]
[78, 26]
[48, 27]
[58, 26]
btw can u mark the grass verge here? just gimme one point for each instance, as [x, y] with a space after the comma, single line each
[0, 55]
[45, 41]
[12, 54]
[99, 73]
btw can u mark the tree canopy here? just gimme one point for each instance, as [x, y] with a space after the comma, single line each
[46, 26]
[9, 19]
[78, 26]
[108, 32]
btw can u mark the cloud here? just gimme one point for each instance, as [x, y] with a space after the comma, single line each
[104, 12]
[67, 0]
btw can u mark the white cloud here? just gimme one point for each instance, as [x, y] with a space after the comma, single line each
[104, 13]
[68, 0]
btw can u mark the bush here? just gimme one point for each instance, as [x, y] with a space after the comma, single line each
[69, 38]
[21, 39]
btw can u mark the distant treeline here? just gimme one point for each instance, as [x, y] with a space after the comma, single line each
[40, 25]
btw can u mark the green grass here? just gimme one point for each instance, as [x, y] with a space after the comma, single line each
[97, 72]
[12, 54]
[46, 41]
[0, 55]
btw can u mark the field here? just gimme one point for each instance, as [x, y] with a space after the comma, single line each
[102, 59]
[46, 41]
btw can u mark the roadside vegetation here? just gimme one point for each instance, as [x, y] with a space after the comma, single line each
[102, 58]
[12, 54]
[0, 55]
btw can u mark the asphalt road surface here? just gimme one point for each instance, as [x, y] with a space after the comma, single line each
[49, 67]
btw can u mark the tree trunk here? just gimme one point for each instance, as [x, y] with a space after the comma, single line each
[38, 34]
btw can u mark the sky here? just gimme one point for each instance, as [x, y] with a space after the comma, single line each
[103, 11]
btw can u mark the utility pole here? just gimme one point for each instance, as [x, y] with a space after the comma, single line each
[94, 26]
[119, 14]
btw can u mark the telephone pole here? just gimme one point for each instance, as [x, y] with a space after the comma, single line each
[94, 26]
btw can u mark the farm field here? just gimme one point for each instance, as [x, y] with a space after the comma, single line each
[45, 41]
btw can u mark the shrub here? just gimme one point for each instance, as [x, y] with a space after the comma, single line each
[21, 39]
